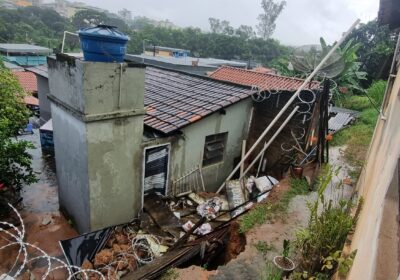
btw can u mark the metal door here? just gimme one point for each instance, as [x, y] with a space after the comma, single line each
[156, 169]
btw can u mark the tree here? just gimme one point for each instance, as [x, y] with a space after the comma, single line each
[221, 26]
[377, 44]
[89, 18]
[245, 32]
[271, 11]
[15, 161]
[215, 25]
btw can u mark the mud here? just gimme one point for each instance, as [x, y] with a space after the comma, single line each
[44, 224]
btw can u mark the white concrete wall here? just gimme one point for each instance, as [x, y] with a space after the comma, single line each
[373, 185]
[188, 151]
[44, 102]
[72, 166]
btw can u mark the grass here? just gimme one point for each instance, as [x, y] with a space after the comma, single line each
[358, 136]
[270, 272]
[264, 247]
[263, 212]
[170, 274]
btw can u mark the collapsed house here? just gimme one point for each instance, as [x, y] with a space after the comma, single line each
[122, 131]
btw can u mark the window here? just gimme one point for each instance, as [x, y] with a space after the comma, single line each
[214, 148]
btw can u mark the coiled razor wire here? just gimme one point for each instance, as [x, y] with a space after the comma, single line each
[53, 263]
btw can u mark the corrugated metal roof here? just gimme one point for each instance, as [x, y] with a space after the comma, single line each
[175, 99]
[264, 81]
[24, 48]
[40, 70]
[341, 119]
[12, 66]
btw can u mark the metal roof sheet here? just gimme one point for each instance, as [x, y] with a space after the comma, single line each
[24, 48]
[40, 70]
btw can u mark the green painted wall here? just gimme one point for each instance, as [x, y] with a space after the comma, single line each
[187, 150]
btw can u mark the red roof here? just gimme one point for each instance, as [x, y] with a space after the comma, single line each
[31, 100]
[27, 80]
[264, 81]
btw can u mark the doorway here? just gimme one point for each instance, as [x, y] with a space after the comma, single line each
[156, 169]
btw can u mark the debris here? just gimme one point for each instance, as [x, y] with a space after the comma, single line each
[196, 198]
[210, 208]
[103, 257]
[160, 212]
[235, 197]
[154, 243]
[46, 220]
[201, 230]
[87, 265]
[177, 214]
[265, 183]
[250, 184]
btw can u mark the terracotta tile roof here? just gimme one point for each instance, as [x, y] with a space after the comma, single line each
[264, 81]
[175, 99]
[27, 81]
[31, 100]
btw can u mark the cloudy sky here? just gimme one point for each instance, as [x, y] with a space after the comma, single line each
[301, 22]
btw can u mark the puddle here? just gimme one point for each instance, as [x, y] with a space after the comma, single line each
[41, 196]
[44, 224]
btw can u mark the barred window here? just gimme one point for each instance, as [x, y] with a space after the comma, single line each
[214, 148]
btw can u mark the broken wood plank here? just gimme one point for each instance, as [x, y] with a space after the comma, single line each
[156, 207]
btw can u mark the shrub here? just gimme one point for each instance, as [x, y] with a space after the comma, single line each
[326, 232]
[15, 161]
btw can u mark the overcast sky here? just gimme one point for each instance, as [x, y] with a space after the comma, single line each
[301, 22]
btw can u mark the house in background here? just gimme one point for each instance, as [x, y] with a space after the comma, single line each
[122, 131]
[28, 82]
[160, 51]
[13, 67]
[42, 85]
[194, 65]
[24, 54]
[179, 59]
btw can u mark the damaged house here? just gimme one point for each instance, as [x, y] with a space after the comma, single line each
[122, 131]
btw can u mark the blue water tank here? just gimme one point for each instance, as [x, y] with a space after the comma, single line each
[103, 43]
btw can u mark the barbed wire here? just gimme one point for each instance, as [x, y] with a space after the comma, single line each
[31, 253]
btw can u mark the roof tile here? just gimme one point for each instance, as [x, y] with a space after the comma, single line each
[264, 81]
[27, 80]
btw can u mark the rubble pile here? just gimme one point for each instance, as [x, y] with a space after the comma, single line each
[167, 225]
[124, 251]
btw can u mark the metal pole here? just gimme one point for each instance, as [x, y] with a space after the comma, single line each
[243, 153]
[306, 81]
[63, 41]
[270, 141]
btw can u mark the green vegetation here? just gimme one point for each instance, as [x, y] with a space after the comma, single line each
[45, 27]
[271, 272]
[33, 25]
[325, 234]
[358, 136]
[15, 161]
[170, 274]
[263, 247]
[263, 212]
